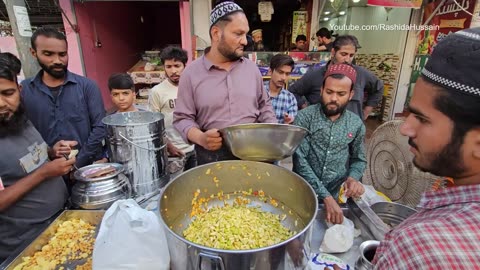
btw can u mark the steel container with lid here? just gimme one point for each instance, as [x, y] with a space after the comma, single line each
[94, 191]
[138, 141]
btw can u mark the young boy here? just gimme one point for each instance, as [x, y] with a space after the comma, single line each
[122, 92]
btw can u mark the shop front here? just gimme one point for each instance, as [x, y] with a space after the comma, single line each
[382, 29]
[118, 36]
[441, 18]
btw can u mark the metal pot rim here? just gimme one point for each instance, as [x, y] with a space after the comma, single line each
[236, 251]
[367, 244]
[406, 207]
[116, 119]
[78, 175]
[260, 125]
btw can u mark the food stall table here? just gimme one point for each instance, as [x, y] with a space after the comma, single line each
[318, 230]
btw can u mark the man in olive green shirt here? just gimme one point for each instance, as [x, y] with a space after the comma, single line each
[335, 139]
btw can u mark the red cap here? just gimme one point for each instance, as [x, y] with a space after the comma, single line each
[343, 69]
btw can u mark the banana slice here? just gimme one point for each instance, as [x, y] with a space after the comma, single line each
[73, 153]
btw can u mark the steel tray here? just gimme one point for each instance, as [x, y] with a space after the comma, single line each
[94, 217]
[319, 228]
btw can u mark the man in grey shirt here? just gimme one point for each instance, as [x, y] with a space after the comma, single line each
[31, 187]
[221, 88]
[344, 49]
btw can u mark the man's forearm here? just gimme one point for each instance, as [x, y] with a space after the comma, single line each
[357, 169]
[88, 154]
[195, 136]
[15, 192]
[93, 147]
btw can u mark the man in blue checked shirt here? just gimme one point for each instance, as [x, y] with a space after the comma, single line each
[283, 102]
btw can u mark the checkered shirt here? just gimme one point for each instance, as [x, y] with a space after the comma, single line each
[285, 102]
[444, 234]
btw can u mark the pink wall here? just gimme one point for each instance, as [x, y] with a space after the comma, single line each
[7, 44]
[123, 35]
[75, 63]
[185, 25]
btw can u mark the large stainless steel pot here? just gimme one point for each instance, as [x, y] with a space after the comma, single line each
[100, 192]
[295, 197]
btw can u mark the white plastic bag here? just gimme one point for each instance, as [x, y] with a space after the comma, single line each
[130, 238]
[338, 238]
[371, 196]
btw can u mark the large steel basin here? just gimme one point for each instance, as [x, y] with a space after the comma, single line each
[295, 198]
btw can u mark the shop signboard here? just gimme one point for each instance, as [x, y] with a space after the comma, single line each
[396, 3]
[418, 64]
[299, 24]
[453, 16]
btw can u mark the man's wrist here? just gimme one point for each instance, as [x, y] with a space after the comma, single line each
[197, 136]
[350, 179]
[355, 178]
[328, 199]
[41, 173]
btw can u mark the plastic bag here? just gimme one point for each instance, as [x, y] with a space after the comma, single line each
[338, 238]
[130, 238]
[370, 195]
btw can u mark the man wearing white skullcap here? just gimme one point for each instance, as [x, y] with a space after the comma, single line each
[444, 134]
[221, 88]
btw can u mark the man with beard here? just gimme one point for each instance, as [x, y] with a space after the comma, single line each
[221, 88]
[257, 36]
[63, 105]
[324, 38]
[444, 134]
[162, 99]
[344, 50]
[31, 187]
[335, 137]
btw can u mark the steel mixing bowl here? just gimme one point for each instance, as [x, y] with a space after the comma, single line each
[263, 141]
[390, 213]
